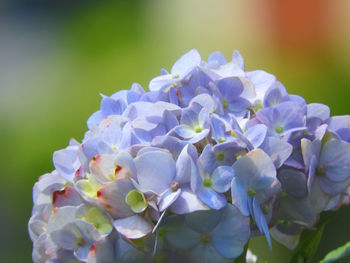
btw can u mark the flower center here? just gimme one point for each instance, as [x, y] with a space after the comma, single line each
[320, 170]
[222, 139]
[225, 104]
[80, 242]
[174, 186]
[251, 192]
[279, 129]
[220, 157]
[205, 238]
[197, 129]
[207, 182]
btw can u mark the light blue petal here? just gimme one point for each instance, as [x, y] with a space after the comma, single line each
[256, 134]
[66, 162]
[207, 254]
[238, 59]
[186, 63]
[239, 196]
[260, 221]
[310, 149]
[256, 170]
[203, 221]
[167, 198]
[95, 119]
[211, 198]
[275, 95]
[111, 106]
[335, 157]
[185, 131]
[261, 79]
[218, 58]
[232, 233]
[199, 136]
[155, 170]
[179, 235]
[205, 100]
[221, 179]
[278, 150]
[184, 166]
[187, 202]
[293, 182]
[317, 110]
[160, 82]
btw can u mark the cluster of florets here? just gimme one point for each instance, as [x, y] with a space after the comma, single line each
[211, 156]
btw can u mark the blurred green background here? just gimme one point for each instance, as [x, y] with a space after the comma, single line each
[57, 56]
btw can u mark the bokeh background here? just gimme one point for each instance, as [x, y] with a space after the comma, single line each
[57, 56]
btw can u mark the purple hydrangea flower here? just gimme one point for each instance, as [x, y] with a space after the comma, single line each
[211, 156]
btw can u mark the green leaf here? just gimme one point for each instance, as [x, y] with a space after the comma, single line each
[339, 255]
[309, 242]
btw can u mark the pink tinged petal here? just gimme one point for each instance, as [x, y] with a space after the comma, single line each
[102, 167]
[187, 202]
[133, 227]
[167, 198]
[78, 235]
[48, 183]
[186, 63]
[155, 170]
[60, 217]
[125, 166]
[112, 197]
[102, 251]
[68, 196]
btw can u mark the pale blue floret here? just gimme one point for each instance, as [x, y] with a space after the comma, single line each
[254, 175]
[212, 236]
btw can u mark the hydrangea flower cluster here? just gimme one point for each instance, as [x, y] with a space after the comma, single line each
[211, 156]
